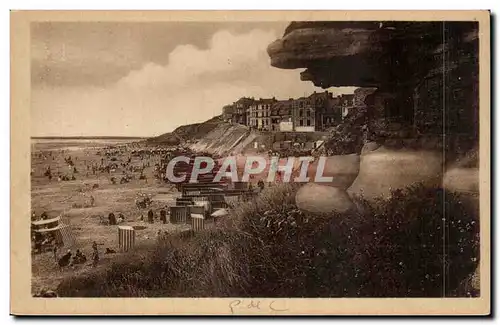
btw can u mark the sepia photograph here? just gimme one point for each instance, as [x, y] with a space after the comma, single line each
[259, 159]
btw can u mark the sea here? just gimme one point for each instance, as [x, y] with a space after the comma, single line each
[72, 144]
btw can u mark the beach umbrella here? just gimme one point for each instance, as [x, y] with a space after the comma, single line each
[220, 213]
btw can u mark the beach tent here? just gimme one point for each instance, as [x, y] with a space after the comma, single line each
[126, 238]
[62, 233]
[46, 222]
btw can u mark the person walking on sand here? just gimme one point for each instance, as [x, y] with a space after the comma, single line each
[95, 254]
[163, 216]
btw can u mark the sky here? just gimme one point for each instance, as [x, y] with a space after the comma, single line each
[145, 79]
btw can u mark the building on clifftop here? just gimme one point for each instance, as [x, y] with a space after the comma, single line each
[259, 114]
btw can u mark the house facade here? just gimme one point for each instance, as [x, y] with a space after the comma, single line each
[305, 115]
[282, 116]
[227, 113]
[259, 114]
[316, 112]
[241, 108]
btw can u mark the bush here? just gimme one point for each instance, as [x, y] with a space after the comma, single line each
[422, 242]
[347, 137]
[182, 266]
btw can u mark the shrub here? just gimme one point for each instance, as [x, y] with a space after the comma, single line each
[347, 137]
[422, 242]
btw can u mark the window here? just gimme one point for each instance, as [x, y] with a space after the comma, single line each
[301, 123]
[308, 113]
[301, 113]
[308, 122]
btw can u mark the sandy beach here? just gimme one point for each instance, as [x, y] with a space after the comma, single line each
[72, 200]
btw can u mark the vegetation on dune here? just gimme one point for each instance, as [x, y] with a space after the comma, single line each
[422, 242]
[347, 137]
[186, 132]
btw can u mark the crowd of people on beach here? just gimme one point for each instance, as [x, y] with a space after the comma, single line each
[111, 160]
[123, 164]
[120, 164]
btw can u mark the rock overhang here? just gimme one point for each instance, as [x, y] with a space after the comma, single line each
[364, 54]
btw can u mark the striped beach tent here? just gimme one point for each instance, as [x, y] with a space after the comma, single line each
[64, 235]
[126, 238]
[46, 222]
[178, 214]
[195, 209]
[197, 222]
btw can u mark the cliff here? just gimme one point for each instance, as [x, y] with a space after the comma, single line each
[190, 132]
[224, 139]
[367, 54]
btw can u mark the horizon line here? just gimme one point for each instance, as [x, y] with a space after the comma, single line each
[90, 137]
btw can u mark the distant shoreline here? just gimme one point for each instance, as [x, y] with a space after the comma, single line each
[89, 138]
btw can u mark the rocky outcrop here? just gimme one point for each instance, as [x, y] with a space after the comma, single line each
[343, 53]
[316, 198]
[343, 170]
[428, 71]
[334, 53]
[383, 170]
[463, 180]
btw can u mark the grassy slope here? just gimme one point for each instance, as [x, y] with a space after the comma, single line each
[270, 248]
[186, 132]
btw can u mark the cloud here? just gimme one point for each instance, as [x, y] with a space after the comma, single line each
[188, 64]
[191, 87]
[100, 53]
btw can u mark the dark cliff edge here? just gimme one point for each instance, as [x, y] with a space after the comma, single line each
[426, 73]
